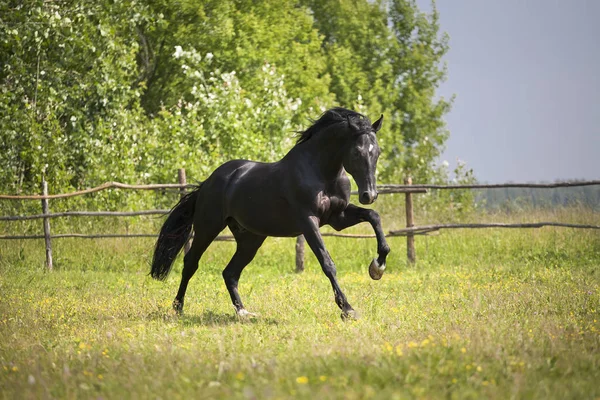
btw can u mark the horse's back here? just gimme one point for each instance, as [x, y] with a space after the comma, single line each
[241, 175]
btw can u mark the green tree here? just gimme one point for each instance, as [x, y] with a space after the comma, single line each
[386, 57]
[130, 90]
[418, 70]
[67, 99]
[242, 36]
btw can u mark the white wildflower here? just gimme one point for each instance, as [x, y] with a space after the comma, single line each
[178, 52]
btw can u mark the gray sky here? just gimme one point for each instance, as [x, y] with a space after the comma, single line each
[526, 78]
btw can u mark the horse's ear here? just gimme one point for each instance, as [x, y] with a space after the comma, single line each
[377, 124]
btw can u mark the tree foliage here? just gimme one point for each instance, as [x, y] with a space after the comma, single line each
[130, 90]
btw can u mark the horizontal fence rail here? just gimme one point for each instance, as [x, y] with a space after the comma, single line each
[382, 189]
[431, 228]
[223, 238]
[104, 186]
[498, 185]
[408, 189]
[416, 230]
[84, 214]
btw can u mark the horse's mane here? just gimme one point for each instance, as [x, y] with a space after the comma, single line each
[334, 116]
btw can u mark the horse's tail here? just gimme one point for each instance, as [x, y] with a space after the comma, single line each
[173, 235]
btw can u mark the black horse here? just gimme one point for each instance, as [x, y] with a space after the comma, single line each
[306, 189]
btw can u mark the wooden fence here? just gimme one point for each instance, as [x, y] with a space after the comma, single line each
[408, 189]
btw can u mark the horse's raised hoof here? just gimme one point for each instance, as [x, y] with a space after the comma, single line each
[375, 270]
[349, 315]
[242, 313]
[178, 307]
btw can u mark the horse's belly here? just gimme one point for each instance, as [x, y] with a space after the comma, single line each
[263, 213]
[272, 220]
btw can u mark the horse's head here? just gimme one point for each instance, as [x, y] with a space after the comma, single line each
[360, 158]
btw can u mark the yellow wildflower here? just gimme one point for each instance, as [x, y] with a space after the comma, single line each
[399, 352]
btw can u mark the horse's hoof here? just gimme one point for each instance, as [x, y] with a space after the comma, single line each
[375, 270]
[349, 315]
[178, 307]
[245, 314]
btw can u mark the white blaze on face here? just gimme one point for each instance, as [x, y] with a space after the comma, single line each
[371, 147]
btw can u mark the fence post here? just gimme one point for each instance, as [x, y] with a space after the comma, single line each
[410, 237]
[300, 253]
[46, 210]
[183, 181]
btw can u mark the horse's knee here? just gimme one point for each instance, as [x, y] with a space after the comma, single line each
[385, 250]
[374, 216]
[329, 269]
[226, 275]
[230, 277]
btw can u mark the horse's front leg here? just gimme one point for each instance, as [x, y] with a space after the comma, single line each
[315, 241]
[353, 215]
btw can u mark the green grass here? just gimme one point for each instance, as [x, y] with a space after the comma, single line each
[483, 314]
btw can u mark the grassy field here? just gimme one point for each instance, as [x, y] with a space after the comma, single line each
[483, 314]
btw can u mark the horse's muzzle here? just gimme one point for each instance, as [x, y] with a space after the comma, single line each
[367, 197]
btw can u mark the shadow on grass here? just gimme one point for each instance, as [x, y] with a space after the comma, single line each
[208, 318]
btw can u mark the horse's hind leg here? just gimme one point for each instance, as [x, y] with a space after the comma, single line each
[204, 235]
[247, 245]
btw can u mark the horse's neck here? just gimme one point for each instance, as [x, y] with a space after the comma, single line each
[321, 154]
